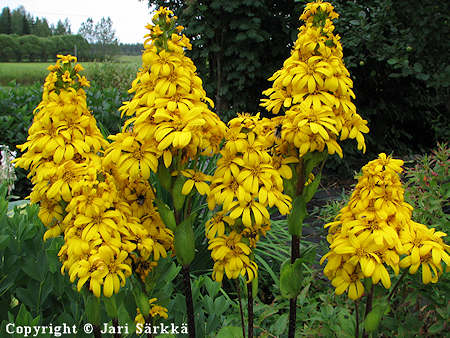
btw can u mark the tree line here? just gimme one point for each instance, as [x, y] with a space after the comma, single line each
[27, 38]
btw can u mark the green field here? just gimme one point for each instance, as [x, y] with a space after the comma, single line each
[27, 73]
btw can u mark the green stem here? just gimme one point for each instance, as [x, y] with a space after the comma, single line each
[356, 319]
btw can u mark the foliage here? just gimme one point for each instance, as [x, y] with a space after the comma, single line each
[101, 37]
[236, 46]
[428, 188]
[18, 21]
[34, 48]
[398, 56]
[31, 280]
[395, 52]
[16, 113]
[110, 74]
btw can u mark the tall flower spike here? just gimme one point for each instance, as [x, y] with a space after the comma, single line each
[245, 185]
[169, 114]
[314, 88]
[374, 231]
[78, 194]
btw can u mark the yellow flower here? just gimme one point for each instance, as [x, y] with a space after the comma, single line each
[349, 279]
[196, 178]
[231, 256]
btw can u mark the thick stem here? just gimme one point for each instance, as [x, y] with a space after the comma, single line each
[115, 323]
[357, 320]
[250, 309]
[149, 320]
[368, 307]
[96, 331]
[189, 302]
[295, 253]
[238, 290]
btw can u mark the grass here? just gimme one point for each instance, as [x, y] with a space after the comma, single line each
[27, 73]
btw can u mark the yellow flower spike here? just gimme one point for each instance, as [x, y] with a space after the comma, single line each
[375, 230]
[315, 90]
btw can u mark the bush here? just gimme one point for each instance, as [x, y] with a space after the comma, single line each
[428, 188]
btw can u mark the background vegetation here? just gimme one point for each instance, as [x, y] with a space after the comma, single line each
[396, 53]
[398, 57]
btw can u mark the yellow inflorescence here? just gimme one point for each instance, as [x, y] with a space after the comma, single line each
[169, 114]
[315, 90]
[245, 184]
[155, 311]
[104, 230]
[374, 230]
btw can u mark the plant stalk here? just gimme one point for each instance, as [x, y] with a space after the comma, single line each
[357, 320]
[250, 309]
[189, 302]
[397, 284]
[96, 331]
[115, 323]
[238, 289]
[149, 320]
[368, 307]
[295, 252]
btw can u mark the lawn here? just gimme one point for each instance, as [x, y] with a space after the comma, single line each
[27, 73]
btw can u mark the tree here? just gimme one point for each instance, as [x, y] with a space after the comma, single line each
[87, 30]
[62, 28]
[104, 32]
[17, 20]
[237, 45]
[5, 21]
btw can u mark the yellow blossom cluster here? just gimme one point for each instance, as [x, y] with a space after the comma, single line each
[314, 88]
[169, 114]
[374, 231]
[78, 195]
[244, 186]
[155, 310]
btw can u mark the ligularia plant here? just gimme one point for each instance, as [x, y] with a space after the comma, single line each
[123, 205]
[314, 90]
[374, 232]
[78, 196]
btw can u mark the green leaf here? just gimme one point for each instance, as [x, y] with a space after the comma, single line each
[437, 327]
[297, 215]
[230, 332]
[184, 241]
[166, 214]
[4, 240]
[291, 277]
[310, 190]
[92, 309]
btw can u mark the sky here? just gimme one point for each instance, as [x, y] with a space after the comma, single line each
[129, 17]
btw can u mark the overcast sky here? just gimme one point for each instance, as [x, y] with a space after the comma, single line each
[129, 17]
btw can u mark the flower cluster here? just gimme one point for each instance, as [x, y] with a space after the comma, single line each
[245, 184]
[314, 88]
[78, 194]
[374, 231]
[155, 310]
[169, 114]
